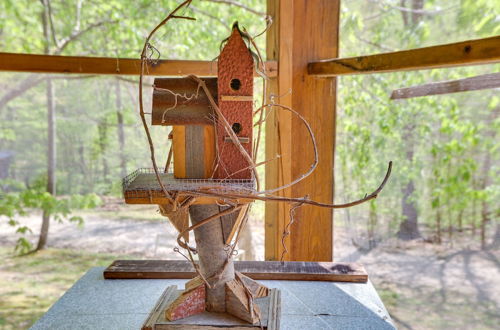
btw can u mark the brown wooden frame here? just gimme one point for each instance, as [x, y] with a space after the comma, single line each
[470, 52]
[108, 65]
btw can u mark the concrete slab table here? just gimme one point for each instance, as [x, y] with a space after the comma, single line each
[96, 303]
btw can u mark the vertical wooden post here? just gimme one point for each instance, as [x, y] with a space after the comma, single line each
[303, 31]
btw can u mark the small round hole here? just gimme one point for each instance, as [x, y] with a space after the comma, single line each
[235, 84]
[237, 128]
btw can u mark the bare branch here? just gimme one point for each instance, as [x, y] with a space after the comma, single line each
[215, 18]
[379, 46]
[411, 10]
[48, 7]
[75, 35]
[20, 89]
[237, 4]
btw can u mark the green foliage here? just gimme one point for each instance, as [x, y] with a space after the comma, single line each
[440, 143]
[14, 204]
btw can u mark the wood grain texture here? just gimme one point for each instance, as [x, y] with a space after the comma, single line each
[159, 307]
[190, 108]
[194, 151]
[258, 290]
[471, 52]
[179, 148]
[238, 303]
[308, 31]
[195, 159]
[256, 270]
[279, 43]
[233, 225]
[108, 65]
[484, 81]
[212, 255]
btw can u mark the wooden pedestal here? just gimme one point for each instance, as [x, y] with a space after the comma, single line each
[270, 307]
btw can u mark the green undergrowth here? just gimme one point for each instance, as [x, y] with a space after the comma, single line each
[30, 284]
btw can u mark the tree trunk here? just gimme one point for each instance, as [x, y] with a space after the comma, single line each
[408, 229]
[438, 225]
[51, 160]
[102, 129]
[486, 181]
[484, 220]
[120, 129]
[495, 243]
[212, 255]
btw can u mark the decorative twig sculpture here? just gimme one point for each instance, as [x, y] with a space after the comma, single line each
[214, 174]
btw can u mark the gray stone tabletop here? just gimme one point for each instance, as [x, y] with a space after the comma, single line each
[96, 303]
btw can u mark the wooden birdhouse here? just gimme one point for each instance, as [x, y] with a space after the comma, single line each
[202, 147]
[208, 158]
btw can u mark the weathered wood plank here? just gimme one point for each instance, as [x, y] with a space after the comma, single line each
[471, 52]
[108, 65]
[306, 32]
[160, 307]
[190, 108]
[256, 270]
[485, 81]
[238, 304]
[194, 152]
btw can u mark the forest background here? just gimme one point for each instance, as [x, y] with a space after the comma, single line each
[66, 141]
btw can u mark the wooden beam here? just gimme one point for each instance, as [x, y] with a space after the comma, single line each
[303, 31]
[485, 81]
[108, 65]
[471, 52]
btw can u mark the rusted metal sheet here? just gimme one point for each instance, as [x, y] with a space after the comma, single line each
[178, 101]
[235, 89]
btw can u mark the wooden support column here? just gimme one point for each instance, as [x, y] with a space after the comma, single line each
[303, 31]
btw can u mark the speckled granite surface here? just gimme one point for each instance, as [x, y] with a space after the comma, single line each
[96, 303]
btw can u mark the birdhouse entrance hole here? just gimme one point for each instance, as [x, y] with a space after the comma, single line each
[235, 84]
[237, 128]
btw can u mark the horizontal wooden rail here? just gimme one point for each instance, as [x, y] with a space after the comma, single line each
[484, 81]
[108, 65]
[472, 52]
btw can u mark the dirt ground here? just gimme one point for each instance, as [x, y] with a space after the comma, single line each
[424, 286]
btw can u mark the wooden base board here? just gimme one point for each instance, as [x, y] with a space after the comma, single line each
[270, 307]
[257, 270]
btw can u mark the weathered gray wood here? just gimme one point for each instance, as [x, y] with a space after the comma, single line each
[238, 303]
[165, 299]
[195, 165]
[274, 311]
[212, 255]
[257, 270]
[485, 81]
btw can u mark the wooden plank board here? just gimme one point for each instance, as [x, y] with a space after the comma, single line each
[109, 65]
[305, 33]
[179, 101]
[279, 42]
[471, 52]
[484, 81]
[257, 270]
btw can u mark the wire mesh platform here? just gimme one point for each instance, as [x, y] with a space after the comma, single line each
[142, 187]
